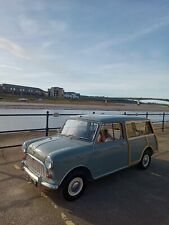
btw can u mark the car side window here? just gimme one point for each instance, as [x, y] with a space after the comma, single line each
[117, 131]
[148, 128]
[110, 132]
[135, 129]
[131, 130]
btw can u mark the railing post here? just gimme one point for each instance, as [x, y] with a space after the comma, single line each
[146, 115]
[47, 123]
[163, 122]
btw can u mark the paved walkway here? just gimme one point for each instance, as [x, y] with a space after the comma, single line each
[128, 197]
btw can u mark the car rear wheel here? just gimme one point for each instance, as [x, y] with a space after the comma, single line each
[146, 160]
[74, 186]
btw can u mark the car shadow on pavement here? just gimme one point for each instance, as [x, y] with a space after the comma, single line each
[131, 196]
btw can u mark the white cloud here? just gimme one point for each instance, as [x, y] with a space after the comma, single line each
[5, 66]
[31, 26]
[13, 48]
[103, 45]
[58, 25]
[47, 44]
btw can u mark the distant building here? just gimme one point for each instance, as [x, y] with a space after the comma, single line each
[56, 92]
[71, 95]
[21, 90]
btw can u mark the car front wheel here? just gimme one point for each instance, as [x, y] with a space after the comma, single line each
[74, 186]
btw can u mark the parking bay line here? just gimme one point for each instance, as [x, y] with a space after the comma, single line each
[63, 216]
[16, 167]
[156, 174]
[66, 220]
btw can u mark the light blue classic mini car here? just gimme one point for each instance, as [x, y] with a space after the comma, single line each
[88, 147]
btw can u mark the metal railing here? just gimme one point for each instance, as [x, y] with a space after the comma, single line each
[47, 115]
[46, 128]
[20, 115]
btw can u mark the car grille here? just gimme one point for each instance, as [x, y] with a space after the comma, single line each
[35, 166]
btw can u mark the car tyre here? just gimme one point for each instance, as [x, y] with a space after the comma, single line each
[74, 185]
[145, 160]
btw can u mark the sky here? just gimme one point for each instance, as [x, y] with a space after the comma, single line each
[116, 48]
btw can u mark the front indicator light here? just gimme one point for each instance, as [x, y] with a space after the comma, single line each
[48, 163]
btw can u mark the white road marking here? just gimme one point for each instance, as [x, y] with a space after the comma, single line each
[63, 216]
[16, 167]
[54, 205]
[66, 220]
[156, 174]
[45, 196]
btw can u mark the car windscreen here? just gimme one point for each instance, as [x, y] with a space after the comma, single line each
[80, 129]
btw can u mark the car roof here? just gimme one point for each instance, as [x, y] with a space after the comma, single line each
[109, 118]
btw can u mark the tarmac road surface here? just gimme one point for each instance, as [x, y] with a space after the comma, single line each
[130, 197]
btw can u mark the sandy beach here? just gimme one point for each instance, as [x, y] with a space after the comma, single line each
[87, 106]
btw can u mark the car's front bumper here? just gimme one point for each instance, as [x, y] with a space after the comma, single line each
[38, 180]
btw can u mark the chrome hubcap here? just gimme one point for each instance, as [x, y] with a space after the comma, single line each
[146, 160]
[75, 186]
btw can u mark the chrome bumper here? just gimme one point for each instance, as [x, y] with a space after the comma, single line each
[38, 179]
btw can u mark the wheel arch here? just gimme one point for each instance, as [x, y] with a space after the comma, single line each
[79, 169]
[148, 149]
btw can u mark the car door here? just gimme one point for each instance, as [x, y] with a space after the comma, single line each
[137, 139]
[111, 155]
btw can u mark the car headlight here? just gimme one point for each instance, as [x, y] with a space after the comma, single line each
[24, 147]
[48, 163]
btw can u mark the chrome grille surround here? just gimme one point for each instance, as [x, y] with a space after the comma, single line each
[35, 165]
